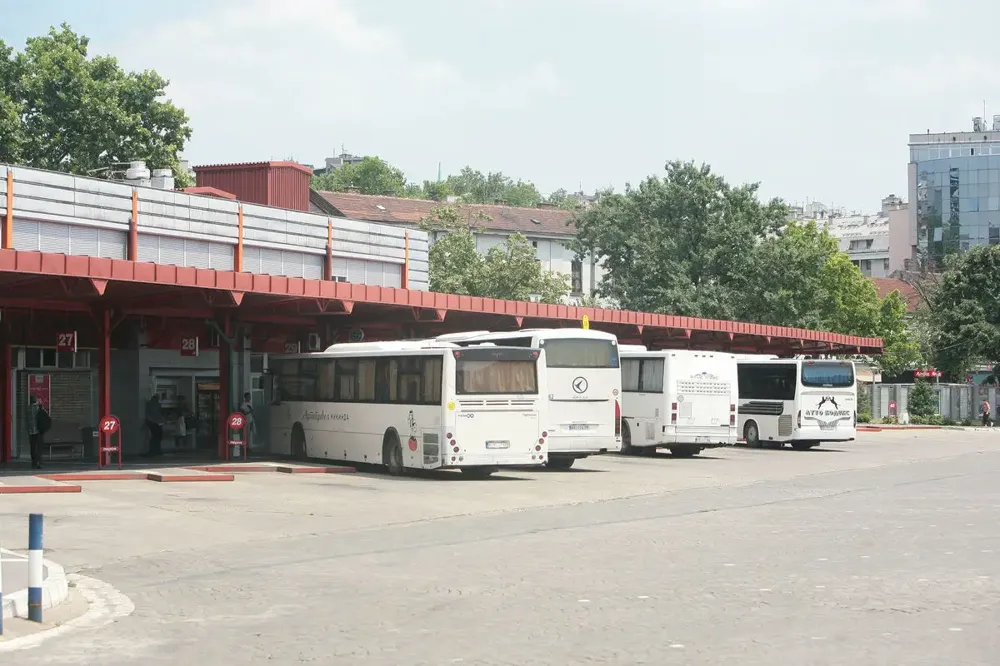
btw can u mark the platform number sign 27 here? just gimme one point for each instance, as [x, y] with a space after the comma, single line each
[66, 341]
[189, 345]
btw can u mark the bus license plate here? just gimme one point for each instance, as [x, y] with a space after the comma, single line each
[578, 426]
[498, 444]
[702, 440]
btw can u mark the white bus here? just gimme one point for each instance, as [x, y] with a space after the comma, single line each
[411, 405]
[799, 401]
[584, 385]
[678, 399]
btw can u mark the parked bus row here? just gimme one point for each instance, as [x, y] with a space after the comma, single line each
[480, 401]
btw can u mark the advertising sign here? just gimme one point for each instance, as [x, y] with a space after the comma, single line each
[40, 386]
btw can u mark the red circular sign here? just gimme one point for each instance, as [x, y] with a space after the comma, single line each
[237, 421]
[110, 424]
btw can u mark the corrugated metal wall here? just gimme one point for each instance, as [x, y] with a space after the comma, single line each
[60, 213]
[267, 184]
[288, 188]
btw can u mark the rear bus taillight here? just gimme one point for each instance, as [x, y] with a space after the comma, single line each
[798, 420]
[732, 415]
[618, 419]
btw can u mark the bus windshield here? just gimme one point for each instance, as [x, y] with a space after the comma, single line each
[580, 353]
[493, 371]
[828, 375]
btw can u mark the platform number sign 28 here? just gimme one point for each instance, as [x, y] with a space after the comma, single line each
[189, 345]
[66, 341]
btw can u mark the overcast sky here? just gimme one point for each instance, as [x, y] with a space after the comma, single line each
[812, 99]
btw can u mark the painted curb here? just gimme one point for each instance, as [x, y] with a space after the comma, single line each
[57, 487]
[55, 589]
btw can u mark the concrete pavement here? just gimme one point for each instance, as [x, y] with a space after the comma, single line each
[880, 551]
[15, 584]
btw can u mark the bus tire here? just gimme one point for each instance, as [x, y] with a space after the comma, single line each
[627, 448]
[478, 472]
[685, 451]
[392, 453]
[804, 446]
[299, 442]
[751, 435]
[560, 462]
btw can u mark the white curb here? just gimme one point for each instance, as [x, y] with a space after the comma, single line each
[55, 589]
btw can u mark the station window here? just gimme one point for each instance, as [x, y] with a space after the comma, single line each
[42, 357]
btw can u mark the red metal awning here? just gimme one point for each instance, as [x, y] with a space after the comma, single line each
[55, 282]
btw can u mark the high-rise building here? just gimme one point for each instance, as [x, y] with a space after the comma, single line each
[954, 191]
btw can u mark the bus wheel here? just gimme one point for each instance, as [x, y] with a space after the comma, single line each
[627, 448]
[298, 443]
[560, 463]
[752, 435]
[804, 446]
[392, 454]
[685, 451]
[478, 472]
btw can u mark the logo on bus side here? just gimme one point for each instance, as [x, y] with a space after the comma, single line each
[311, 415]
[829, 418]
[580, 385]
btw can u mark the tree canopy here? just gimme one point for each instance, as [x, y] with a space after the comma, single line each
[964, 318]
[63, 110]
[689, 243]
[373, 175]
[509, 270]
[494, 187]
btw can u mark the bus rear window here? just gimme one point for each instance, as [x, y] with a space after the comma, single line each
[580, 353]
[481, 377]
[827, 375]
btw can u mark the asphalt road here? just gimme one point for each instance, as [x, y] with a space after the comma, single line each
[883, 551]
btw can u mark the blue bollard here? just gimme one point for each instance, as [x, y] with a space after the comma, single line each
[35, 567]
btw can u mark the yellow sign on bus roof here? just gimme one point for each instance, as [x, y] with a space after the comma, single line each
[586, 321]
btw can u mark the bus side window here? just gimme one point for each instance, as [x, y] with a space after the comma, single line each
[271, 391]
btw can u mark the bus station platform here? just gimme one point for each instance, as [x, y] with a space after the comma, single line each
[66, 477]
[112, 293]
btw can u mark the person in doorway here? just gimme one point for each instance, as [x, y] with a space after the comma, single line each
[183, 415]
[154, 422]
[35, 434]
[246, 408]
[986, 413]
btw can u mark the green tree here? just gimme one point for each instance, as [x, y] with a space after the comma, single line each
[683, 244]
[63, 110]
[475, 187]
[921, 401]
[372, 175]
[690, 244]
[509, 270]
[563, 199]
[436, 190]
[964, 318]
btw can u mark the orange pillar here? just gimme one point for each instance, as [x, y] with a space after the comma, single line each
[104, 363]
[133, 230]
[328, 262]
[8, 222]
[404, 281]
[225, 388]
[238, 253]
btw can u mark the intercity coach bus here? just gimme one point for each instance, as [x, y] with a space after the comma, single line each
[803, 402]
[412, 405]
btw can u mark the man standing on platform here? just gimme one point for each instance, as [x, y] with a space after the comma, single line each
[154, 422]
